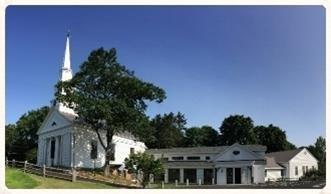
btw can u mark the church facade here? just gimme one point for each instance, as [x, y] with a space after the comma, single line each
[64, 142]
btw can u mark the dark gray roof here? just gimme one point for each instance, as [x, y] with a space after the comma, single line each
[284, 156]
[272, 164]
[201, 150]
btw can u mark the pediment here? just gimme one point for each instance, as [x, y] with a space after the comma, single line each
[236, 152]
[53, 121]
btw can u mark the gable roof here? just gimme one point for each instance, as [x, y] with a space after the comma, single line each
[202, 150]
[284, 156]
[49, 114]
[272, 164]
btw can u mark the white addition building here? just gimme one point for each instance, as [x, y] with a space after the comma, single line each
[291, 164]
[235, 164]
[63, 141]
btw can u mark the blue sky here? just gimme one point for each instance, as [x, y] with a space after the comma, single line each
[266, 62]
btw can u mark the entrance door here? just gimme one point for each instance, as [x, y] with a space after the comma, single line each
[207, 176]
[237, 175]
[229, 175]
[52, 151]
[190, 174]
[173, 175]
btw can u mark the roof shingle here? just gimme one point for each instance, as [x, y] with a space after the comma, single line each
[283, 156]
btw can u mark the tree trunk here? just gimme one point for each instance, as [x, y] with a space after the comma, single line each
[109, 152]
[108, 158]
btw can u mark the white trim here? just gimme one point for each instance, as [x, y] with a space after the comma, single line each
[234, 145]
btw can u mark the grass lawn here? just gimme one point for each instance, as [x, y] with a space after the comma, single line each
[16, 179]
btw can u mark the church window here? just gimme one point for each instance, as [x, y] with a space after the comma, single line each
[296, 170]
[94, 149]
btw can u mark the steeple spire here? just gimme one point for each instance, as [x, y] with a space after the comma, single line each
[66, 73]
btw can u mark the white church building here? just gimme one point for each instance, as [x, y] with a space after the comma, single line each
[64, 142]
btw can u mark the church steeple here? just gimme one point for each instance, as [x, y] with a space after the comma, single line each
[66, 73]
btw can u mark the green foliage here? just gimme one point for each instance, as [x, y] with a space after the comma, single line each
[319, 151]
[31, 155]
[107, 96]
[313, 175]
[289, 146]
[168, 130]
[22, 136]
[145, 164]
[237, 129]
[201, 136]
[10, 132]
[269, 135]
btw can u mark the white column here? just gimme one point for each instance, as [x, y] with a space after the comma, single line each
[48, 154]
[56, 151]
[166, 179]
[44, 151]
[200, 175]
[181, 175]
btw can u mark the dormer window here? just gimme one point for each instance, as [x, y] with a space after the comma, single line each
[53, 124]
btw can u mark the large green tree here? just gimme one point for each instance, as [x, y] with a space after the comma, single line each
[269, 135]
[108, 97]
[143, 165]
[168, 130]
[237, 129]
[201, 136]
[22, 138]
[319, 151]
